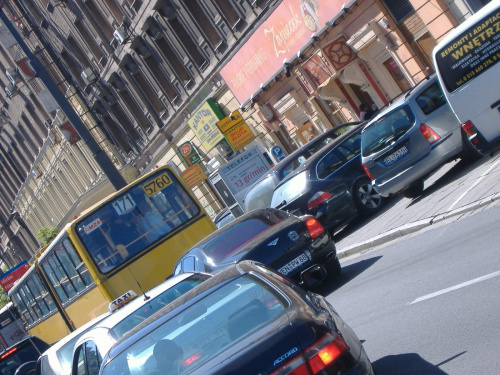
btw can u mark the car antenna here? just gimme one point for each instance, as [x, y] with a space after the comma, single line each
[146, 297]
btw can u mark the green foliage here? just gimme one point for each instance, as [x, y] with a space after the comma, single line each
[4, 299]
[46, 235]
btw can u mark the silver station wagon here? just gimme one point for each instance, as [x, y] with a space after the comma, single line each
[410, 138]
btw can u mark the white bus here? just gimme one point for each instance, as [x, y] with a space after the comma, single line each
[466, 61]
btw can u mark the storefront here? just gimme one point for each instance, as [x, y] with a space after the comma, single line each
[312, 63]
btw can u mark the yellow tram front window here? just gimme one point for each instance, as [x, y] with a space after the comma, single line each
[142, 215]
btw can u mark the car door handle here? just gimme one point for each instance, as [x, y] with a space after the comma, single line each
[496, 104]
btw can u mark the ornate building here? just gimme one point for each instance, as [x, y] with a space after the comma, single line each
[139, 73]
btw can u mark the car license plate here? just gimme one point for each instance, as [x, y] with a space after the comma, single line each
[290, 266]
[395, 156]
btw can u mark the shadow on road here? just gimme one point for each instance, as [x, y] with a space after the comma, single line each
[407, 364]
[458, 171]
[360, 221]
[349, 272]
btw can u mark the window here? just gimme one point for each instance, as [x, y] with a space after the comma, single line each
[131, 222]
[238, 235]
[208, 327]
[351, 147]
[431, 99]
[65, 270]
[33, 299]
[400, 9]
[328, 164]
[397, 74]
[92, 358]
[386, 130]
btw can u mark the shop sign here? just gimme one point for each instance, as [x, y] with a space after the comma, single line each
[339, 53]
[239, 136]
[236, 131]
[317, 70]
[278, 39]
[8, 278]
[203, 123]
[193, 176]
[188, 153]
[243, 171]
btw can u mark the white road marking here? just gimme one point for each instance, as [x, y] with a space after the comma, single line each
[473, 185]
[458, 286]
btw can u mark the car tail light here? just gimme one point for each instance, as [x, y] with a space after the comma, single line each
[367, 172]
[6, 354]
[471, 131]
[317, 199]
[314, 227]
[316, 358]
[428, 133]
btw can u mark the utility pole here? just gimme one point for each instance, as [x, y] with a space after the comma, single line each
[100, 156]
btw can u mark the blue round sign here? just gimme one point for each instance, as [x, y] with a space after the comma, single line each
[277, 152]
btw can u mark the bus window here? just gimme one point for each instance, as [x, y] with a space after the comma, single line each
[65, 271]
[33, 299]
[141, 216]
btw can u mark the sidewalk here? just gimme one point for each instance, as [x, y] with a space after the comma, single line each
[457, 189]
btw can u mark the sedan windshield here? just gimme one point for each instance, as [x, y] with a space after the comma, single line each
[386, 130]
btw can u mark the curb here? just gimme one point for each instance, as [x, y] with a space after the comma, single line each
[412, 227]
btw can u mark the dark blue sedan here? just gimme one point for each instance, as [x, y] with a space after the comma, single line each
[298, 247]
[245, 320]
[331, 185]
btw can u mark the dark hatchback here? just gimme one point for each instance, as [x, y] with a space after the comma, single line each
[260, 193]
[245, 320]
[298, 247]
[331, 185]
[20, 358]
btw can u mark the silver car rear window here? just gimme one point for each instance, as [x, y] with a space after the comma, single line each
[386, 129]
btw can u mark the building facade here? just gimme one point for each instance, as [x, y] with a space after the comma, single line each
[143, 76]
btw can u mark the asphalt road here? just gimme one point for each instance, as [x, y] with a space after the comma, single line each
[456, 189]
[428, 303]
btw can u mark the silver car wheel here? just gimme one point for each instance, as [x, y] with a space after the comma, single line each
[368, 197]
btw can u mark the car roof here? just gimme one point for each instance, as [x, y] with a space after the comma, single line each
[229, 273]
[319, 154]
[256, 212]
[284, 163]
[117, 316]
[402, 98]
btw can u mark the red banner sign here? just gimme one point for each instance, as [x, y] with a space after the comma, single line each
[8, 279]
[278, 39]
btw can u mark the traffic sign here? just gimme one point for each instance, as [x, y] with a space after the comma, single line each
[278, 153]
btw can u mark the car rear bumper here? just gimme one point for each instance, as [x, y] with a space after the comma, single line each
[316, 271]
[337, 210]
[438, 156]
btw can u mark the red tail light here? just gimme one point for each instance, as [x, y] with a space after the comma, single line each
[471, 131]
[367, 172]
[314, 227]
[316, 358]
[6, 354]
[318, 199]
[429, 134]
